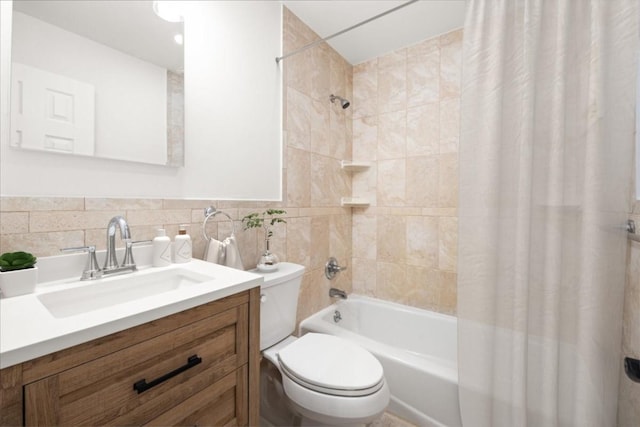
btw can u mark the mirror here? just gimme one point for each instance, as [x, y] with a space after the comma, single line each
[99, 78]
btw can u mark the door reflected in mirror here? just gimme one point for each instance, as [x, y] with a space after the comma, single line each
[98, 78]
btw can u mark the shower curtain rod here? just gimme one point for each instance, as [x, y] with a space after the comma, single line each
[317, 42]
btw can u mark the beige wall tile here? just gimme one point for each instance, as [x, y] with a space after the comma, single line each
[449, 125]
[298, 178]
[340, 143]
[365, 232]
[105, 204]
[391, 282]
[392, 135]
[365, 89]
[165, 217]
[392, 239]
[366, 184]
[364, 276]
[365, 138]
[448, 241]
[299, 111]
[320, 68]
[42, 244]
[423, 79]
[14, 222]
[450, 65]
[422, 181]
[422, 241]
[319, 241]
[299, 240]
[423, 130]
[448, 180]
[392, 86]
[448, 292]
[340, 238]
[320, 126]
[40, 221]
[423, 289]
[391, 182]
[329, 182]
[26, 204]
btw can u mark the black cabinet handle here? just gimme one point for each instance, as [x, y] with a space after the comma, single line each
[142, 385]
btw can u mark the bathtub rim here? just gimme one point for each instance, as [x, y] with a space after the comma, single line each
[447, 369]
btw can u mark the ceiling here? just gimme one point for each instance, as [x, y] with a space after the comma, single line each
[404, 27]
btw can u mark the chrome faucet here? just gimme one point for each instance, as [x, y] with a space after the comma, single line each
[111, 262]
[335, 292]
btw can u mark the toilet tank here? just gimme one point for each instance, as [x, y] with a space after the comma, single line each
[279, 303]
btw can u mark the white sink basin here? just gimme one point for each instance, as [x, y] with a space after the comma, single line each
[116, 290]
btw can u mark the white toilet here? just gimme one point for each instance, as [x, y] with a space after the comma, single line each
[321, 378]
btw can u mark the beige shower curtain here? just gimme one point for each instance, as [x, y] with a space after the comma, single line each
[546, 161]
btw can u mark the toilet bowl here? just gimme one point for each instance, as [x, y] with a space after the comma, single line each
[325, 379]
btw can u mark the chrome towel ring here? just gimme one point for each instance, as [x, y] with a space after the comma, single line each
[210, 212]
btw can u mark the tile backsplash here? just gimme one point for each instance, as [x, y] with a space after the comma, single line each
[406, 118]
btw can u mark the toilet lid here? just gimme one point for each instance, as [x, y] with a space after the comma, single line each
[331, 365]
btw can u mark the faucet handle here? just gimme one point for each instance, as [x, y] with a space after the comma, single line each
[331, 268]
[128, 252]
[92, 269]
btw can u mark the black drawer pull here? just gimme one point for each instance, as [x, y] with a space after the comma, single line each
[142, 385]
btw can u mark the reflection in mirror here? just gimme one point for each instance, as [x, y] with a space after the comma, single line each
[98, 78]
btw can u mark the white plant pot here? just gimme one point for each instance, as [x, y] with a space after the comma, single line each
[18, 282]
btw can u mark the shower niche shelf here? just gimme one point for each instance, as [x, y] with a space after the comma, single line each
[354, 202]
[352, 166]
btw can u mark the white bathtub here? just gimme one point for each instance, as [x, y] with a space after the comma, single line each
[417, 348]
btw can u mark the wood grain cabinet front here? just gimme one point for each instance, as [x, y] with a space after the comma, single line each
[197, 367]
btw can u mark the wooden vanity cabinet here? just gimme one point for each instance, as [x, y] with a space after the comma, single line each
[196, 367]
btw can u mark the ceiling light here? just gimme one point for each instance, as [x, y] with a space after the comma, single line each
[169, 10]
[178, 39]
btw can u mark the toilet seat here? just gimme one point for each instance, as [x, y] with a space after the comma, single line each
[331, 365]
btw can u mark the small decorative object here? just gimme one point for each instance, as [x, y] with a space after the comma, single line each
[268, 261]
[18, 273]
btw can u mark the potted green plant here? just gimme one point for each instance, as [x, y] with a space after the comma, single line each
[18, 273]
[266, 220]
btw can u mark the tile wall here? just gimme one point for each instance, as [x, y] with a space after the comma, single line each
[317, 138]
[406, 108]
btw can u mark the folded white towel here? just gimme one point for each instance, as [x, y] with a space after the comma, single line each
[214, 251]
[232, 256]
[224, 253]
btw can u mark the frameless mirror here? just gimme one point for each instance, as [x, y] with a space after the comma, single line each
[98, 78]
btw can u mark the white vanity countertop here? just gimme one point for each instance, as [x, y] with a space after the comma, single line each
[28, 330]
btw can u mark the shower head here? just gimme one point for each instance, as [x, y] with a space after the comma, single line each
[344, 103]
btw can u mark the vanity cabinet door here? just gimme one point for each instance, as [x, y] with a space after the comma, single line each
[195, 374]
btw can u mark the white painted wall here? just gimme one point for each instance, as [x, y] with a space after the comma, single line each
[131, 94]
[233, 91]
[233, 99]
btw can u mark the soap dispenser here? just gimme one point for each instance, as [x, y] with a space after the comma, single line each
[161, 249]
[182, 245]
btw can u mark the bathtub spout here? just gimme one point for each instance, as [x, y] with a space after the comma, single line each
[335, 292]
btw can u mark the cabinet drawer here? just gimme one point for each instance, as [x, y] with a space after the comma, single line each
[102, 391]
[219, 404]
